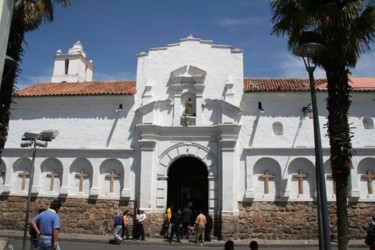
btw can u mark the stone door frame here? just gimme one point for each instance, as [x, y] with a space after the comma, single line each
[186, 149]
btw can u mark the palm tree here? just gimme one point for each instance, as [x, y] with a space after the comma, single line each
[347, 29]
[27, 16]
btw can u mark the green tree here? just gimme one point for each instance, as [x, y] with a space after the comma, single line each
[347, 29]
[27, 16]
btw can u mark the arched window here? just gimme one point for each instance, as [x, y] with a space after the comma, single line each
[368, 123]
[277, 128]
[66, 66]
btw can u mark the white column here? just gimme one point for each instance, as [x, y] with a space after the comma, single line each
[229, 174]
[146, 192]
[66, 185]
[95, 188]
[212, 194]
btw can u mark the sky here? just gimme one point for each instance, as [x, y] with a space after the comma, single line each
[114, 32]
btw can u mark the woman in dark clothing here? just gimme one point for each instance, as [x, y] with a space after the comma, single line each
[187, 217]
[208, 229]
[176, 222]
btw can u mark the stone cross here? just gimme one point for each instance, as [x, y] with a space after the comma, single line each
[53, 174]
[112, 176]
[24, 174]
[81, 175]
[266, 177]
[370, 177]
[301, 175]
[330, 177]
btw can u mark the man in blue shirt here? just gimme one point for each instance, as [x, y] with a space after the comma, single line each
[49, 227]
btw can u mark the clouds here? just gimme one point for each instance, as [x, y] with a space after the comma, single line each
[232, 22]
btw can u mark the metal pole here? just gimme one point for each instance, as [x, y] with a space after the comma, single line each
[323, 219]
[29, 197]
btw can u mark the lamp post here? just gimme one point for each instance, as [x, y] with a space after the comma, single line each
[35, 141]
[309, 52]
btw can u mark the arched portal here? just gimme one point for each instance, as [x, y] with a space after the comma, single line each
[188, 182]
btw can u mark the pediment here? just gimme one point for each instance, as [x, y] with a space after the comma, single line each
[188, 74]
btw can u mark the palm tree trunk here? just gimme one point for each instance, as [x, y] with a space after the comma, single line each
[338, 104]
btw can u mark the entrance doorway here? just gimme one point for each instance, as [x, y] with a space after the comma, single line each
[187, 182]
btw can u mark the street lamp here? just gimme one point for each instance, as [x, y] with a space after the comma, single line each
[309, 52]
[35, 141]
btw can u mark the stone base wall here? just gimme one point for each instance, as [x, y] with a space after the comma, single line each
[77, 216]
[256, 220]
[296, 220]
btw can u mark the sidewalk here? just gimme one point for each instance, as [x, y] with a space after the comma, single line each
[5, 235]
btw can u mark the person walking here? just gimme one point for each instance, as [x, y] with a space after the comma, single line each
[49, 227]
[187, 215]
[370, 236]
[33, 237]
[201, 225]
[176, 222]
[139, 230]
[168, 216]
[117, 227]
[208, 229]
[125, 225]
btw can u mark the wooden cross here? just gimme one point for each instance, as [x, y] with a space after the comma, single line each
[330, 177]
[301, 175]
[112, 176]
[24, 174]
[370, 177]
[266, 177]
[53, 174]
[81, 176]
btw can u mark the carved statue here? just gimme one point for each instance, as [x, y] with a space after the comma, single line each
[188, 107]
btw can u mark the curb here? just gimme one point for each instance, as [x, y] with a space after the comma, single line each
[106, 239]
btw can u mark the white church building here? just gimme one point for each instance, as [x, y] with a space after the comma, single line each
[190, 128]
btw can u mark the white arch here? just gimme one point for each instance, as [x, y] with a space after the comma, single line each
[186, 149]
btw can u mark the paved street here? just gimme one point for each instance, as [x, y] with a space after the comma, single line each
[65, 245]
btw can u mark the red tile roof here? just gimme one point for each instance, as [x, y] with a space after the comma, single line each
[297, 84]
[80, 88]
[129, 87]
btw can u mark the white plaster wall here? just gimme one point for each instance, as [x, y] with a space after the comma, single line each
[83, 122]
[220, 63]
[90, 128]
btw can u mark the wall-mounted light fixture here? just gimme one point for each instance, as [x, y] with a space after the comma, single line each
[119, 108]
[260, 107]
[308, 110]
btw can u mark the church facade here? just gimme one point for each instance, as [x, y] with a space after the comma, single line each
[190, 128]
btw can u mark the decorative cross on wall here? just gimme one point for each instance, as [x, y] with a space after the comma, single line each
[112, 176]
[370, 177]
[301, 176]
[24, 174]
[81, 175]
[266, 177]
[52, 175]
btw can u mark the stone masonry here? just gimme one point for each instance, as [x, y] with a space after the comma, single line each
[256, 220]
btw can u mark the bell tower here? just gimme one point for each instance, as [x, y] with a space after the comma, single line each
[72, 67]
